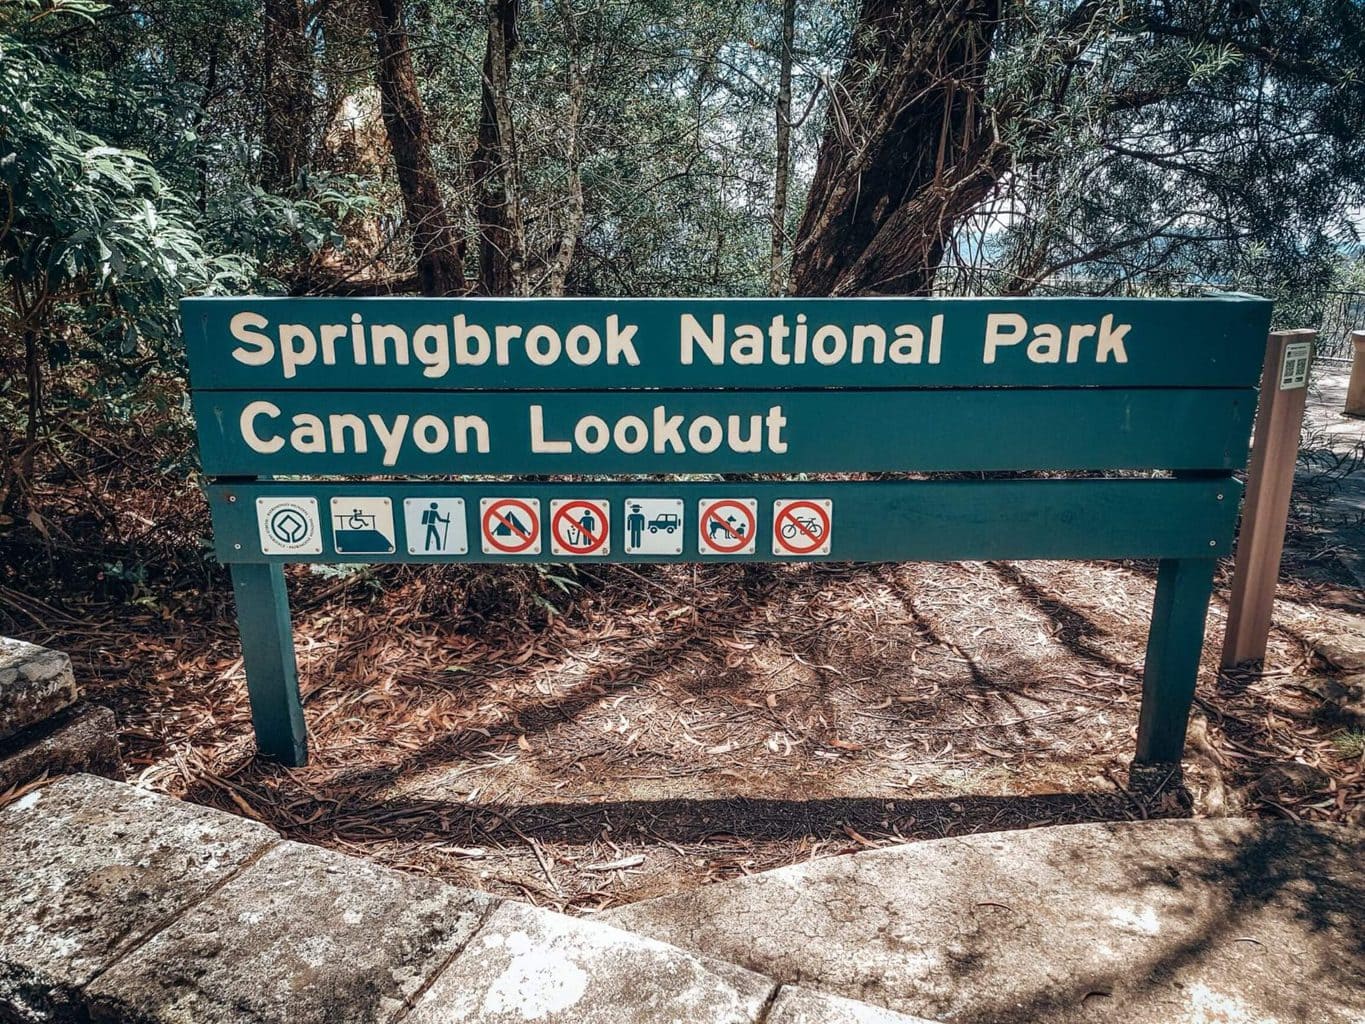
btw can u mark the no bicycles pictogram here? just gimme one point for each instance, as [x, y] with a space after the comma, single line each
[727, 526]
[802, 526]
[510, 526]
[580, 527]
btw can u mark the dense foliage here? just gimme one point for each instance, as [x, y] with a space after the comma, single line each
[154, 148]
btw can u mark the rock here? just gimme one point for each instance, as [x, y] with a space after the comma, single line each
[90, 869]
[1344, 651]
[118, 905]
[796, 1005]
[531, 965]
[305, 936]
[84, 738]
[1290, 779]
[1332, 690]
[1347, 696]
[1148, 922]
[35, 683]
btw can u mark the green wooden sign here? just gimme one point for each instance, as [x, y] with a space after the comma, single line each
[339, 430]
[250, 433]
[596, 344]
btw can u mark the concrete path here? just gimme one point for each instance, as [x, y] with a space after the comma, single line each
[121, 906]
[1333, 442]
[1229, 921]
[1327, 399]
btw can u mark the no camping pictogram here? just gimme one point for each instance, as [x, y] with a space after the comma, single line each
[727, 526]
[802, 526]
[580, 527]
[510, 526]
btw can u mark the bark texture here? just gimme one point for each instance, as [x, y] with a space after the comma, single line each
[288, 94]
[437, 246]
[777, 271]
[494, 168]
[561, 259]
[908, 150]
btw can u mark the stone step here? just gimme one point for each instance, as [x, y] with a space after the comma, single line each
[1142, 923]
[121, 905]
[35, 683]
[82, 738]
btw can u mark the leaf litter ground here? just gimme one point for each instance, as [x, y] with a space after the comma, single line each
[654, 728]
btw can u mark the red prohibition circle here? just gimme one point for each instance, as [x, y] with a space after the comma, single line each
[527, 539]
[562, 513]
[816, 542]
[742, 541]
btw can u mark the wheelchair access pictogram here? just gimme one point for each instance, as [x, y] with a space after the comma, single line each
[727, 526]
[802, 526]
[362, 525]
[580, 526]
[510, 526]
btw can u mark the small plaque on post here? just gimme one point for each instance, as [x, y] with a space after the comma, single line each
[1294, 369]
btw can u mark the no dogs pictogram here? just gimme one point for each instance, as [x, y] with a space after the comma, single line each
[727, 526]
[510, 526]
[580, 527]
[802, 526]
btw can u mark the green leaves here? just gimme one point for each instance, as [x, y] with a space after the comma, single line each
[91, 233]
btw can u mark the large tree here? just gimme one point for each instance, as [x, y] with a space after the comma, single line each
[287, 59]
[1073, 133]
[437, 246]
[495, 167]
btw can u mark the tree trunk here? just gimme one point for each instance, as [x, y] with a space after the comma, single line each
[21, 455]
[562, 257]
[777, 276]
[288, 93]
[201, 164]
[494, 167]
[908, 151]
[439, 249]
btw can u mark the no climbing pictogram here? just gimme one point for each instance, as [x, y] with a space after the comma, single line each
[802, 526]
[510, 526]
[580, 527]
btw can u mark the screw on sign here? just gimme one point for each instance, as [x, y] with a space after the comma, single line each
[510, 526]
[801, 526]
[579, 527]
[728, 526]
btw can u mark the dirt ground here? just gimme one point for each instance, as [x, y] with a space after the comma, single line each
[582, 738]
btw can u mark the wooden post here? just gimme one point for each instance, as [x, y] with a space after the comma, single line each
[268, 656]
[1355, 391]
[1174, 646]
[1270, 479]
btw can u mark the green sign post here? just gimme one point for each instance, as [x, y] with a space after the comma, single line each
[431, 395]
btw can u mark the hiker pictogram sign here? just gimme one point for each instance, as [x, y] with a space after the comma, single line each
[580, 527]
[435, 526]
[727, 526]
[510, 526]
[802, 526]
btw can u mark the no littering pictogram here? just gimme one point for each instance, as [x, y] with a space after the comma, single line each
[728, 526]
[580, 527]
[802, 526]
[510, 526]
